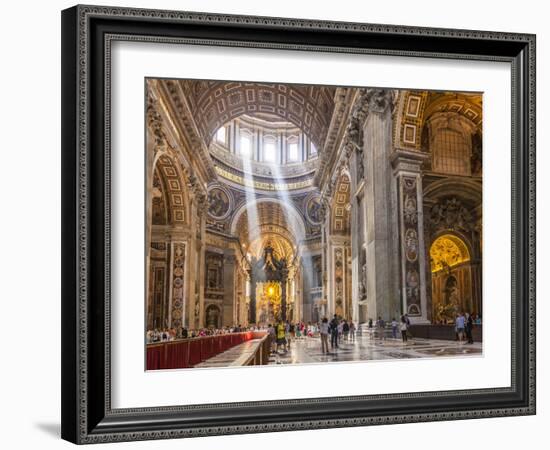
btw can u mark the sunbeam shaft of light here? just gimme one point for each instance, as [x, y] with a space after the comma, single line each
[296, 229]
[251, 207]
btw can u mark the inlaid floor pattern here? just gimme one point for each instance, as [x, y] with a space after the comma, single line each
[364, 348]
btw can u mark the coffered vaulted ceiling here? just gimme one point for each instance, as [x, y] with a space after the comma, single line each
[214, 103]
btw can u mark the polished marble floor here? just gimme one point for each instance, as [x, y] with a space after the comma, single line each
[367, 347]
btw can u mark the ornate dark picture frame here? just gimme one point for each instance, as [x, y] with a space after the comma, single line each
[87, 34]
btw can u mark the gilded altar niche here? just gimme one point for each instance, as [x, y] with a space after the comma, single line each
[451, 278]
[269, 301]
[454, 260]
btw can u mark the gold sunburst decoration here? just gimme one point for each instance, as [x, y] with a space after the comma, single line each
[269, 297]
[448, 251]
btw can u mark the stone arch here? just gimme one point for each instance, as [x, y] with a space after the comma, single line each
[216, 103]
[289, 211]
[213, 316]
[339, 209]
[160, 212]
[175, 189]
[448, 249]
[281, 242]
[414, 109]
[449, 138]
[452, 277]
[467, 189]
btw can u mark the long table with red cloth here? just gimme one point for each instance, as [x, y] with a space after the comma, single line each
[185, 353]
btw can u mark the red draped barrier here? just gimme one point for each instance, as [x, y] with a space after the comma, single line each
[154, 357]
[190, 352]
[195, 356]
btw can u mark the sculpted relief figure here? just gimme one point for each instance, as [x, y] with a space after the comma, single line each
[379, 100]
[451, 215]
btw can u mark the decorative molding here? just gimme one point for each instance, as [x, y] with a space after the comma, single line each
[450, 214]
[82, 226]
[178, 277]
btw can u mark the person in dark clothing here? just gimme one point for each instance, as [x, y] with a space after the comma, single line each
[345, 330]
[468, 328]
[403, 328]
[334, 332]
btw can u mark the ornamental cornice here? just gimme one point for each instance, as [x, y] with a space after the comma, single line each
[363, 102]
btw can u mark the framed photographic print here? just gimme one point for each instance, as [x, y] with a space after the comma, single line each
[280, 224]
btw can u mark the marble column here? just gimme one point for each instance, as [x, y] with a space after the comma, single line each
[412, 249]
[326, 255]
[252, 295]
[200, 273]
[380, 243]
[284, 276]
[156, 146]
[192, 268]
[177, 284]
[307, 285]
[358, 286]
[228, 286]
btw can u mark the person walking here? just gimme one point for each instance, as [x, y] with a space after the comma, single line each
[352, 331]
[468, 328]
[409, 333]
[403, 327]
[381, 326]
[298, 331]
[345, 330]
[334, 332]
[394, 326]
[288, 334]
[281, 335]
[273, 337]
[340, 331]
[323, 331]
[459, 327]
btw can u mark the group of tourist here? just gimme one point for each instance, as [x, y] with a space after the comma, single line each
[282, 333]
[464, 325]
[446, 321]
[339, 330]
[398, 328]
[172, 334]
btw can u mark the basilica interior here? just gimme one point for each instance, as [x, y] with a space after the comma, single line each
[268, 201]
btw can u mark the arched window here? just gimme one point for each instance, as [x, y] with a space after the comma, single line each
[270, 151]
[312, 150]
[220, 135]
[293, 150]
[245, 148]
[451, 152]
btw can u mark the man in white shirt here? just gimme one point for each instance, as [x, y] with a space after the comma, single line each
[459, 325]
[323, 331]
